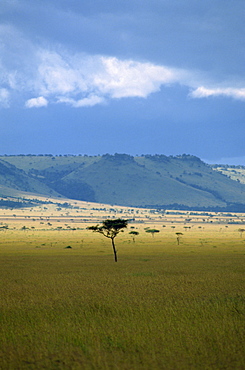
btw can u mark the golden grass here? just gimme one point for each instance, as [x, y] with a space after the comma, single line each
[161, 306]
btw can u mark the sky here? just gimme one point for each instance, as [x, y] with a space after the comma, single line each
[123, 76]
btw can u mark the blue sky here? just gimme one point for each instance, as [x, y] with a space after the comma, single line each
[130, 76]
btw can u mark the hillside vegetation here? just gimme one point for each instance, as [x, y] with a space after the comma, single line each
[236, 173]
[180, 182]
[17, 179]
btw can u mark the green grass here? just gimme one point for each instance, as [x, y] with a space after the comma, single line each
[162, 306]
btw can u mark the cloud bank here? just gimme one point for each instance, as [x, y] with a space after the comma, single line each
[83, 80]
[43, 76]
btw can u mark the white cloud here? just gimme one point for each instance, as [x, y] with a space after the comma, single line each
[4, 98]
[202, 92]
[57, 75]
[83, 80]
[36, 102]
[86, 102]
[106, 75]
[120, 79]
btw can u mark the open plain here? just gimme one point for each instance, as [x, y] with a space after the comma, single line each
[166, 304]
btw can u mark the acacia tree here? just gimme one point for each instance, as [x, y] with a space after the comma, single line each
[134, 234]
[152, 231]
[178, 237]
[110, 229]
[241, 231]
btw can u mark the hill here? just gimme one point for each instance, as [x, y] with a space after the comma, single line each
[180, 182]
[17, 179]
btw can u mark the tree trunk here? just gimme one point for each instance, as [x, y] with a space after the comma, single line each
[114, 249]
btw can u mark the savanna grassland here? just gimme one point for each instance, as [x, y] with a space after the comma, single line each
[161, 306]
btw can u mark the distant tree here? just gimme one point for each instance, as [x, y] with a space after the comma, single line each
[152, 231]
[134, 234]
[241, 231]
[178, 237]
[110, 229]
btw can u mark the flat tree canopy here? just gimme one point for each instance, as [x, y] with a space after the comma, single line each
[152, 231]
[134, 233]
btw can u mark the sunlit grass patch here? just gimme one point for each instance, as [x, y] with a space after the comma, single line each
[162, 305]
